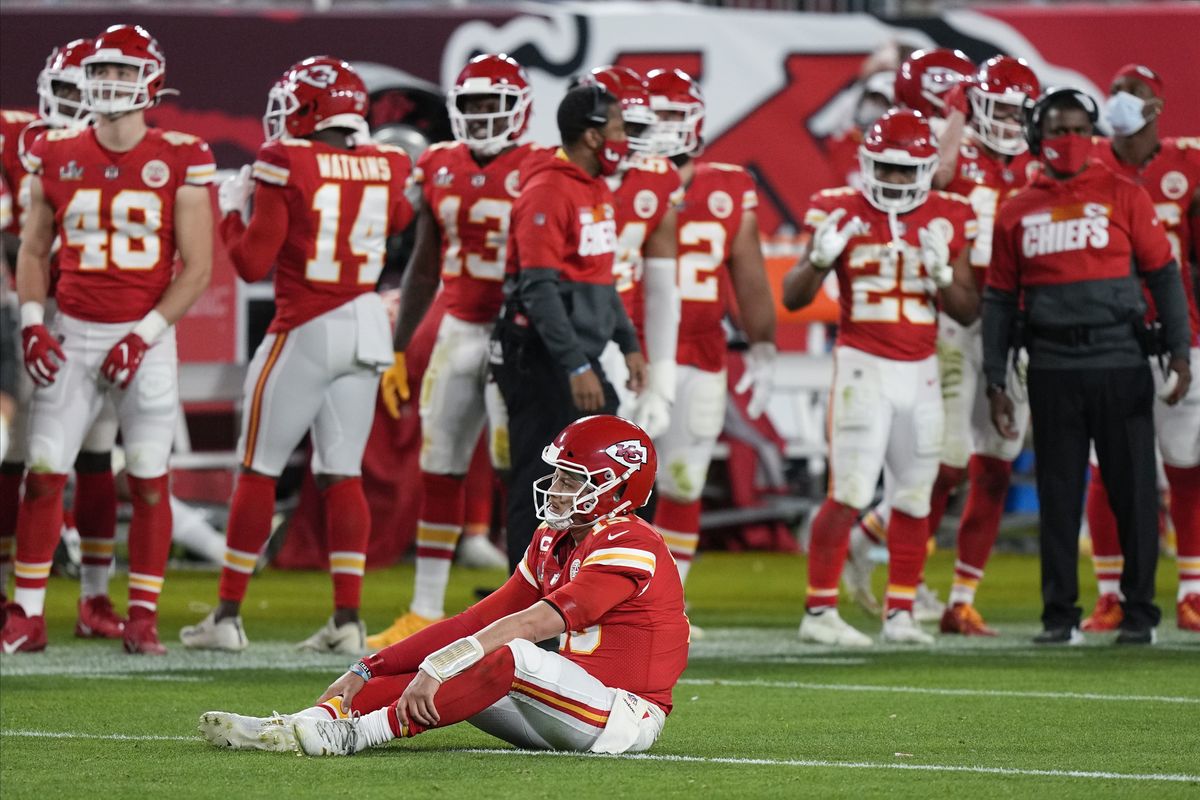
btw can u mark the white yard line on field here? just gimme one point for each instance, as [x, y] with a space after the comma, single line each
[858, 687]
[743, 762]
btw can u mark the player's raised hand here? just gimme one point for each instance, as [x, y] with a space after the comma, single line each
[123, 360]
[935, 256]
[393, 387]
[759, 376]
[828, 241]
[43, 355]
[235, 194]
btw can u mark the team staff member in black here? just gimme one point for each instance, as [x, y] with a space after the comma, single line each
[1073, 245]
[561, 307]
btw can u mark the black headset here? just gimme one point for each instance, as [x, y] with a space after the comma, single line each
[1036, 110]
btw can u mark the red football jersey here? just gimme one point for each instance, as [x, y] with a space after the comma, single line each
[564, 219]
[473, 207]
[116, 216]
[641, 643]
[986, 181]
[887, 303]
[6, 204]
[713, 205]
[643, 193]
[341, 207]
[1171, 178]
[18, 129]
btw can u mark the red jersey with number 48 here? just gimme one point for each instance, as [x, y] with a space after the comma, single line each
[639, 641]
[713, 206]
[341, 207]
[887, 302]
[1171, 178]
[17, 131]
[116, 216]
[643, 194]
[472, 206]
[986, 181]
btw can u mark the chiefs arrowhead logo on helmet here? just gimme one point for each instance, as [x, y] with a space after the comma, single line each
[631, 453]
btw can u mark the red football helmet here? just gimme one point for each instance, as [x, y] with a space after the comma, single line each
[64, 66]
[498, 76]
[630, 89]
[317, 93]
[675, 93]
[998, 96]
[901, 137]
[615, 463]
[131, 46]
[927, 74]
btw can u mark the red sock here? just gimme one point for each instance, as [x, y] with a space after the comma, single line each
[442, 507]
[348, 521]
[465, 695]
[149, 541]
[981, 517]
[679, 523]
[39, 527]
[250, 513]
[1106, 546]
[477, 514]
[907, 536]
[827, 552]
[95, 511]
[948, 479]
[10, 506]
[1185, 512]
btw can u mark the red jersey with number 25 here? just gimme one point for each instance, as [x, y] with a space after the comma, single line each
[341, 207]
[643, 193]
[986, 181]
[116, 216]
[713, 205]
[472, 206]
[886, 300]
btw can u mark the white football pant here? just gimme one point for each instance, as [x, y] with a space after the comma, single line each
[1178, 426]
[685, 450]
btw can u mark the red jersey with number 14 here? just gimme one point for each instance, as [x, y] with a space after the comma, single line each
[886, 300]
[116, 216]
[341, 207]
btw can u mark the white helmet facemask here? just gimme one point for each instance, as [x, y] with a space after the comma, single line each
[488, 133]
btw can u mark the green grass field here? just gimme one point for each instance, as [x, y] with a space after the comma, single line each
[757, 714]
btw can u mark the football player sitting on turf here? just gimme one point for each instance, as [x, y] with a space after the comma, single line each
[595, 576]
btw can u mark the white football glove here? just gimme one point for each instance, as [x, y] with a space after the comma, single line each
[828, 242]
[935, 256]
[652, 413]
[235, 194]
[759, 376]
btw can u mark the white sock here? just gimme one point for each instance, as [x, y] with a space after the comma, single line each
[962, 594]
[374, 727]
[1110, 587]
[93, 580]
[32, 601]
[684, 567]
[429, 587]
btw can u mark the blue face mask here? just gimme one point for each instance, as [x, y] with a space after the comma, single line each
[1125, 113]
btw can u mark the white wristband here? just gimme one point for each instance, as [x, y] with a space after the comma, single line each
[456, 657]
[151, 326]
[32, 313]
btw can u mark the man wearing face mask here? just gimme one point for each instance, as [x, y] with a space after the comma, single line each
[561, 307]
[1065, 245]
[1169, 170]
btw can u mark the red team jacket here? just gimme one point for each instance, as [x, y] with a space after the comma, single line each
[472, 206]
[322, 217]
[713, 206]
[887, 305]
[116, 214]
[618, 592]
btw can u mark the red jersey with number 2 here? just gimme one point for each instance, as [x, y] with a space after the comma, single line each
[986, 181]
[887, 302]
[116, 216]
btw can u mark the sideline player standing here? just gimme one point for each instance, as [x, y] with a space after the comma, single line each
[324, 205]
[125, 197]
[1169, 169]
[468, 187]
[719, 249]
[595, 575]
[902, 252]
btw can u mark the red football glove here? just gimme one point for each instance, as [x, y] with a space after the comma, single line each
[124, 359]
[38, 345]
[955, 99]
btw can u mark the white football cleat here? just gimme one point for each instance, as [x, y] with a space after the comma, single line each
[328, 737]
[926, 606]
[899, 627]
[475, 551]
[225, 729]
[828, 627]
[856, 574]
[349, 639]
[208, 634]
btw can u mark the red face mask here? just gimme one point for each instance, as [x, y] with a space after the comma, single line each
[1066, 154]
[611, 154]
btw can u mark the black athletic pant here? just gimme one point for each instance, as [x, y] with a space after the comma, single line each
[1113, 408]
[537, 393]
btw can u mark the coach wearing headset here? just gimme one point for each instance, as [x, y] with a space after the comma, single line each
[1075, 246]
